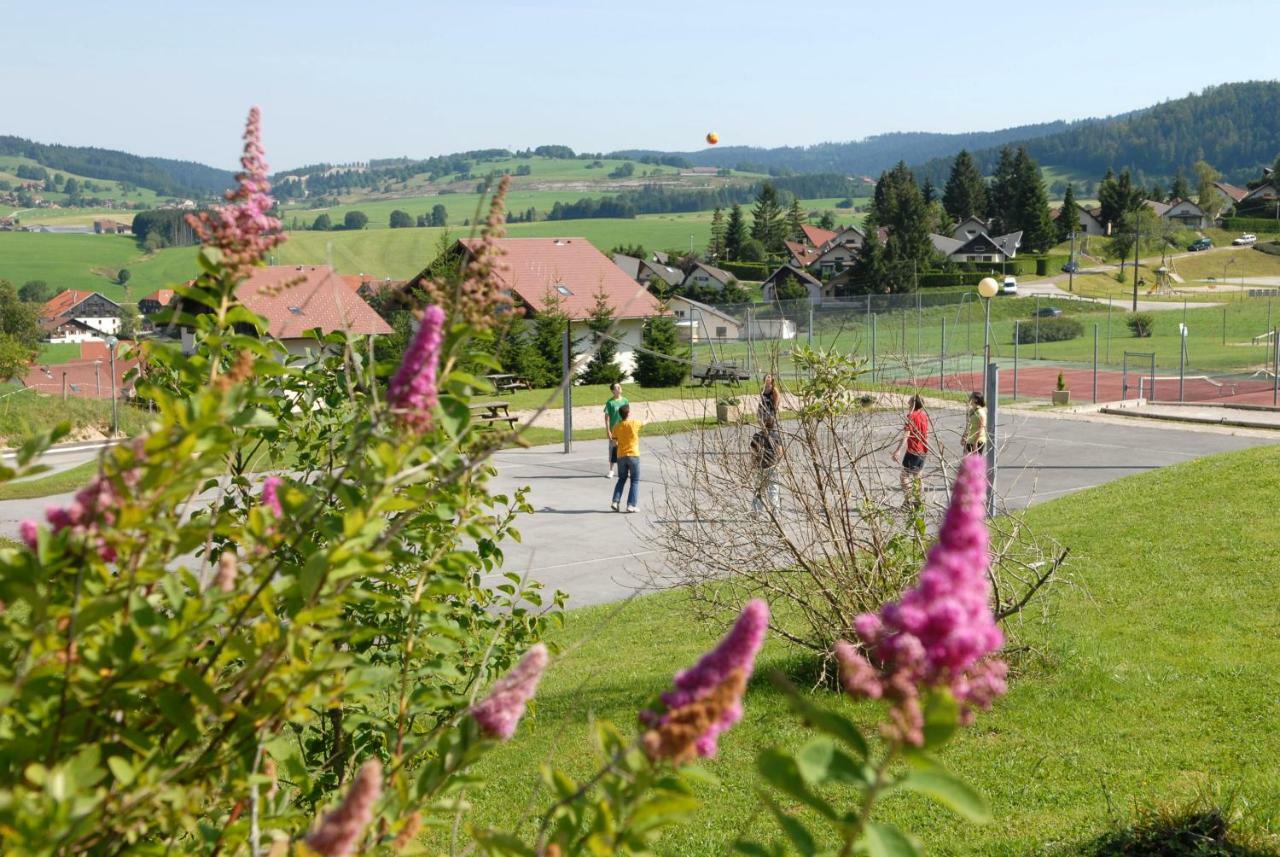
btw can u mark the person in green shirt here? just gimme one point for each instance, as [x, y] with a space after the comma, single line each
[612, 417]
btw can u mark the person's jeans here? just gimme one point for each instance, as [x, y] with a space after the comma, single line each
[766, 487]
[628, 467]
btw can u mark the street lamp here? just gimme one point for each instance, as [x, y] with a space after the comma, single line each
[988, 288]
[111, 352]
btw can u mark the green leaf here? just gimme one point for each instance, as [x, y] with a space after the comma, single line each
[941, 718]
[662, 811]
[455, 414]
[814, 759]
[948, 791]
[836, 725]
[885, 840]
[784, 774]
[795, 830]
[121, 770]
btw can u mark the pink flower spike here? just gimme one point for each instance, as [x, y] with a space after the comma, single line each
[29, 530]
[500, 712]
[271, 495]
[341, 830]
[412, 392]
[736, 651]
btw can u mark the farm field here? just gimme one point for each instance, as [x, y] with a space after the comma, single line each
[89, 262]
[109, 188]
[1114, 711]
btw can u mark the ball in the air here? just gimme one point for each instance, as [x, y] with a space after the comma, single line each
[713, 137]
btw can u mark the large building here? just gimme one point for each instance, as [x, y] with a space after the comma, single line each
[76, 316]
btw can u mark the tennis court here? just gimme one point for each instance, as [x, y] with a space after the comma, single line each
[1039, 382]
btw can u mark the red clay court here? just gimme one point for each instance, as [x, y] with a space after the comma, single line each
[1038, 382]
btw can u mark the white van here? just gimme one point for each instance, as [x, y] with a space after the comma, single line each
[1009, 286]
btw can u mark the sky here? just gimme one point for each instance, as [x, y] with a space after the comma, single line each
[341, 82]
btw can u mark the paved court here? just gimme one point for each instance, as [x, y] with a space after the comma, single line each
[574, 541]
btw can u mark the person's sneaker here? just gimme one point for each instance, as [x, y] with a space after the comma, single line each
[610, 475]
[631, 508]
[614, 505]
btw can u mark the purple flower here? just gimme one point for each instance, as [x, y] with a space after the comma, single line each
[412, 391]
[93, 507]
[941, 633]
[29, 531]
[736, 652]
[340, 831]
[271, 495]
[500, 712]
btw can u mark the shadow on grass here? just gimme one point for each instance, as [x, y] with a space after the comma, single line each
[1199, 830]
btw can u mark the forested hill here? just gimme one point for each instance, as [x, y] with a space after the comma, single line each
[1235, 127]
[162, 175]
[862, 157]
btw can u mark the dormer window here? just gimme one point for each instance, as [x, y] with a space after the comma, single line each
[563, 289]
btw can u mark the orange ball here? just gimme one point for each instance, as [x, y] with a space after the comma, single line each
[713, 138]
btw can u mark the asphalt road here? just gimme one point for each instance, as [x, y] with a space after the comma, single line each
[574, 541]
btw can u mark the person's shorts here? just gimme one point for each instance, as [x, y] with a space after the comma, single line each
[913, 463]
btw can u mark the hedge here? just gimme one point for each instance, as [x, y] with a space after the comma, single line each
[1251, 224]
[753, 271]
[1271, 247]
[1055, 329]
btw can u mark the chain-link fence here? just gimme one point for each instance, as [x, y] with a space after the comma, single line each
[1169, 351]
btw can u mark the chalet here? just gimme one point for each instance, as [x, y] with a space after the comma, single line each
[699, 322]
[981, 248]
[155, 301]
[793, 274]
[643, 271]
[109, 227]
[816, 236]
[94, 316]
[802, 255]
[1231, 195]
[296, 300]
[1186, 213]
[706, 276]
[971, 227]
[1087, 220]
[1262, 201]
[574, 272]
[825, 253]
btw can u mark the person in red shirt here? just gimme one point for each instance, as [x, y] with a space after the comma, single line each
[915, 442]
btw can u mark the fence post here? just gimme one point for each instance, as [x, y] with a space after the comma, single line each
[993, 398]
[810, 324]
[1016, 338]
[750, 347]
[567, 383]
[1108, 331]
[1275, 367]
[873, 348]
[1095, 363]
[942, 357]
[919, 321]
[1037, 354]
[64, 386]
[1182, 362]
[1224, 324]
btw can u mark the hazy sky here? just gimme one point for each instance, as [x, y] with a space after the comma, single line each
[355, 80]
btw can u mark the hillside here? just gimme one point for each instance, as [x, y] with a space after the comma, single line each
[165, 176]
[1235, 127]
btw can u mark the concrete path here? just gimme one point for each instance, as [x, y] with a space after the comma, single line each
[1199, 413]
[1047, 289]
[575, 543]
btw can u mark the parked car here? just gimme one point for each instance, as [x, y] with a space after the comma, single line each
[1072, 267]
[1009, 286]
[1047, 312]
[1246, 240]
[1200, 244]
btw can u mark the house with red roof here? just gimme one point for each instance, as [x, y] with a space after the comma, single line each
[296, 300]
[78, 316]
[571, 271]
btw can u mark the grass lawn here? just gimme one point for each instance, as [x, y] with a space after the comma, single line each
[46, 486]
[23, 413]
[53, 353]
[1244, 262]
[1152, 680]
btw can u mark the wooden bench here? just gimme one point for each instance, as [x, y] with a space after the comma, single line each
[723, 370]
[492, 413]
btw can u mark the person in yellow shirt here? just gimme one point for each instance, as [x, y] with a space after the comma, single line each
[626, 434]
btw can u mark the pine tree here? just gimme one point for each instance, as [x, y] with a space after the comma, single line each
[1002, 198]
[658, 338]
[870, 271]
[965, 194]
[1118, 197]
[899, 206]
[516, 354]
[1031, 204]
[927, 191]
[767, 224]
[1180, 189]
[716, 249]
[548, 334]
[735, 233]
[602, 368]
[1068, 215]
[795, 219]
[827, 221]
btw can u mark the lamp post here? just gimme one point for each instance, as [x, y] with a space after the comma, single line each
[988, 288]
[1071, 264]
[111, 352]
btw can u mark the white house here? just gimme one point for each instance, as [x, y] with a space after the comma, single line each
[95, 317]
[1087, 222]
[699, 322]
[708, 276]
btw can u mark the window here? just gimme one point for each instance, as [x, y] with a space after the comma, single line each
[563, 289]
[296, 310]
[722, 333]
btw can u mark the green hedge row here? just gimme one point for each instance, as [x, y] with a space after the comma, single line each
[1251, 224]
[754, 271]
[1056, 329]
[1271, 247]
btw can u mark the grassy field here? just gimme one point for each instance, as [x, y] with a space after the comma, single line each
[1152, 681]
[1245, 262]
[52, 353]
[23, 413]
[90, 262]
[107, 188]
[71, 479]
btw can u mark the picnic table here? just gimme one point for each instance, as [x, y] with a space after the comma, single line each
[492, 413]
[506, 383]
[721, 370]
